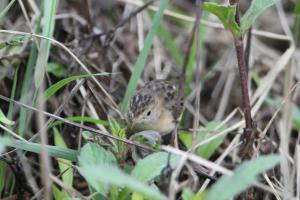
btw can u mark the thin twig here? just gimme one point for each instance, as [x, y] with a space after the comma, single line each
[183, 72]
[198, 69]
[44, 156]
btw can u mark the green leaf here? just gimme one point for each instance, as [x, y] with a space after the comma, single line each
[257, 7]
[65, 166]
[57, 86]
[58, 152]
[94, 155]
[49, 11]
[208, 131]
[151, 166]
[187, 194]
[296, 25]
[141, 60]
[226, 15]
[25, 95]
[56, 69]
[60, 195]
[80, 119]
[13, 94]
[114, 126]
[87, 135]
[296, 117]
[111, 175]
[4, 120]
[297, 9]
[244, 176]
[2, 175]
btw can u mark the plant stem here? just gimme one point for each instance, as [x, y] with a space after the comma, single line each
[239, 46]
[249, 131]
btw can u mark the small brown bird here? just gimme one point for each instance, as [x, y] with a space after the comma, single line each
[153, 107]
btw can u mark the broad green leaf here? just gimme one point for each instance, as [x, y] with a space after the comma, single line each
[244, 176]
[209, 130]
[226, 15]
[49, 11]
[94, 155]
[58, 152]
[151, 166]
[57, 86]
[4, 120]
[257, 7]
[111, 175]
[141, 60]
[60, 195]
[65, 166]
[56, 69]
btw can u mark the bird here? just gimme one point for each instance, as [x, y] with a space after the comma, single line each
[153, 107]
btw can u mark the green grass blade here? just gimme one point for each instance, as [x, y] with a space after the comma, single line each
[64, 165]
[83, 119]
[58, 152]
[172, 46]
[25, 88]
[4, 119]
[296, 28]
[6, 9]
[2, 176]
[57, 86]
[13, 94]
[141, 60]
[48, 28]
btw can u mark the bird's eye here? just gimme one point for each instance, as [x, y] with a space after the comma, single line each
[149, 113]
